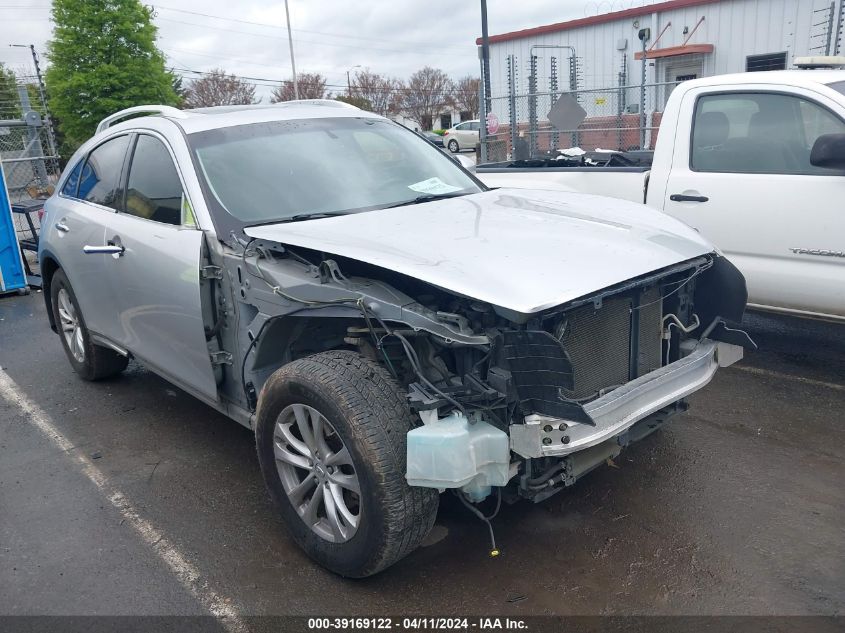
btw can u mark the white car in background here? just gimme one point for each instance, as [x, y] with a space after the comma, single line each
[462, 136]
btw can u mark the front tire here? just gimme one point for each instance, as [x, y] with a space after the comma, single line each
[92, 362]
[454, 147]
[331, 439]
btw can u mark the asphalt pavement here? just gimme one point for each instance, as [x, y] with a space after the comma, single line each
[130, 497]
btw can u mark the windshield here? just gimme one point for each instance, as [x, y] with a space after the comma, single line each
[276, 171]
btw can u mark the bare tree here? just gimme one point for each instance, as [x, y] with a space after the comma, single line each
[378, 90]
[311, 86]
[358, 102]
[216, 88]
[465, 95]
[426, 95]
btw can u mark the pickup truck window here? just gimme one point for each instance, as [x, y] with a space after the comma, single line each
[759, 133]
[271, 172]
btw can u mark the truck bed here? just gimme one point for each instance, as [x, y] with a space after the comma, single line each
[628, 183]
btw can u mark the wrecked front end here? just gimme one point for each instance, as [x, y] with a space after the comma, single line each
[527, 403]
[572, 386]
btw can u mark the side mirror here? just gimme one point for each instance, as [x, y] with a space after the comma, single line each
[464, 161]
[829, 151]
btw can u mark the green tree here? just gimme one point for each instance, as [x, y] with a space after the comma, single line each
[178, 88]
[358, 102]
[9, 105]
[103, 58]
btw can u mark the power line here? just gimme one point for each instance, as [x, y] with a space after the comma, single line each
[297, 40]
[274, 26]
[264, 81]
[226, 57]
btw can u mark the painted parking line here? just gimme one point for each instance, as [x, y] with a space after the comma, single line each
[781, 376]
[185, 572]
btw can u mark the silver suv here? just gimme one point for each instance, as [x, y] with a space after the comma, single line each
[388, 326]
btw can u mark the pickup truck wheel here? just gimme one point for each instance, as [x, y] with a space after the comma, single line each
[454, 147]
[92, 362]
[331, 438]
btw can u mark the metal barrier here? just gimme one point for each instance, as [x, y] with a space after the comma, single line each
[30, 161]
[623, 118]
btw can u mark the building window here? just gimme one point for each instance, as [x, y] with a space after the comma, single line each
[445, 121]
[770, 61]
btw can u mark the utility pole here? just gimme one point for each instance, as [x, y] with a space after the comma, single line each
[292, 61]
[349, 82]
[42, 93]
[485, 56]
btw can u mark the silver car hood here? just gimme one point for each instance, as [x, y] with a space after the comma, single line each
[521, 250]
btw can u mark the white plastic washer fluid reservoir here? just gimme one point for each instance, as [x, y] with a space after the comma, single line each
[452, 453]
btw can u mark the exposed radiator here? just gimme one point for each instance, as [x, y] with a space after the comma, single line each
[599, 343]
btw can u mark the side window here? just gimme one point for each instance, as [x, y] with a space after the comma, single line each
[100, 180]
[72, 182]
[818, 121]
[474, 126]
[154, 191]
[759, 133]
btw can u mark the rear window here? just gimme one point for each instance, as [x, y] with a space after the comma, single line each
[839, 87]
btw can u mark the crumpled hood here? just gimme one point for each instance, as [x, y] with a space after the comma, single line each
[521, 250]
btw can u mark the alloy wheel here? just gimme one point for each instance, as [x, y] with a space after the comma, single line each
[71, 327]
[317, 473]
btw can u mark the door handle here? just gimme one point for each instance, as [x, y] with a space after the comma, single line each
[109, 249]
[61, 226]
[680, 197]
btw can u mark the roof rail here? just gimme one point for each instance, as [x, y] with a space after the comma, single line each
[334, 103]
[162, 110]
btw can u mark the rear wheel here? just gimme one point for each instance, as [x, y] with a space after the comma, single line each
[331, 438]
[454, 147]
[92, 362]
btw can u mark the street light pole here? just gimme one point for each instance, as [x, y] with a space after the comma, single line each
[292, 61]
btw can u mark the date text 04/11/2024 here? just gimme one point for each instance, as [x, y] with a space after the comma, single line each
[417, 624]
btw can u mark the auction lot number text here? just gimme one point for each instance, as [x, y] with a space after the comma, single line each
[416, 624]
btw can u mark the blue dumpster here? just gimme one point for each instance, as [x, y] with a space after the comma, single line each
[11, 265]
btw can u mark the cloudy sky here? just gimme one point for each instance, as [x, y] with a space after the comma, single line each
[248, 38]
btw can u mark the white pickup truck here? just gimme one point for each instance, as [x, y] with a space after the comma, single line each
[756, 163]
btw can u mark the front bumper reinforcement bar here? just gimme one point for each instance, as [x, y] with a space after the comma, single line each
[617, 410]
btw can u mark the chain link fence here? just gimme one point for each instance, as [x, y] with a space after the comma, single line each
[605, 118]
[29, 156]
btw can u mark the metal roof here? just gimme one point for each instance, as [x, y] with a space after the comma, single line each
[799, 78]
[597, 19]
